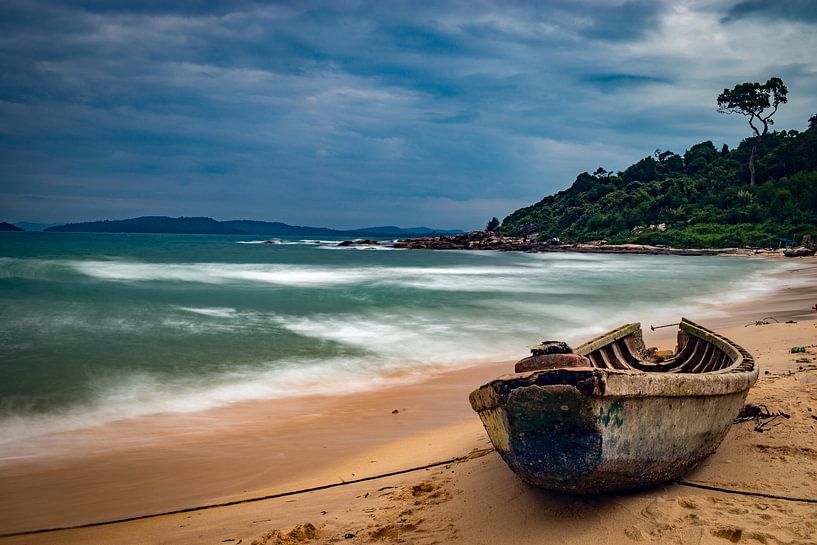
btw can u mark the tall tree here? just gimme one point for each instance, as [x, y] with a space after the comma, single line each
[759, 102]
[493, 225]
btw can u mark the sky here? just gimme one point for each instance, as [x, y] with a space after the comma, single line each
[352, 113]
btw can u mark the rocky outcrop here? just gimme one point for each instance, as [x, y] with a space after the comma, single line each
[801, 251]
[487, 240]
[366, 242]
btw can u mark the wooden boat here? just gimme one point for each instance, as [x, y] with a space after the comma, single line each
[612, 416]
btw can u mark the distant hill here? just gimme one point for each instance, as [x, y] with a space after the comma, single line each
[253, 227]
[150, 224]
[29, 226]
[699, 199]
[9, 227]
[163, 224]
[405, 231]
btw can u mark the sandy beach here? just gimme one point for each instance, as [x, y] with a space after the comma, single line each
[151, 465]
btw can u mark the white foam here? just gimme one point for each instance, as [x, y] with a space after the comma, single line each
[218, 273]
[361, 247]
[216, 312]
[460, 278]
[407, 340]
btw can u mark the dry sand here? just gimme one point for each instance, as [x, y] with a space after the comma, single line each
[260, 449]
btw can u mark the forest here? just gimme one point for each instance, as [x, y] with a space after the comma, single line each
[703, 198]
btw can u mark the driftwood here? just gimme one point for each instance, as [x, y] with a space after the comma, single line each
[760, 415]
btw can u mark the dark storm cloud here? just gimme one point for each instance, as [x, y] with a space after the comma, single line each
[791, 10]
[355, 113]
[623, 22]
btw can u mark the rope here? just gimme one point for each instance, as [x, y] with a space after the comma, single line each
[236, 502]
[743, 492]
[355, 481]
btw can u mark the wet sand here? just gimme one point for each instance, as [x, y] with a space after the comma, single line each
[162, 463]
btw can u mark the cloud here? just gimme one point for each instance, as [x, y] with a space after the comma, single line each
[789, 10]
[347, 113]
[615, 81]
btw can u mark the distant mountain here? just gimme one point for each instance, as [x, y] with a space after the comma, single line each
[29, 226]
[150, 224]
[252, 227]
[9, 227]
[406, 231]
[163, 224]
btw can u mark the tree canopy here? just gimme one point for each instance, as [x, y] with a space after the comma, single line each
[759, 102]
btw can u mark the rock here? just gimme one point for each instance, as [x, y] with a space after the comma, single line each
[484, 240]
[366, 242]
[800, 251]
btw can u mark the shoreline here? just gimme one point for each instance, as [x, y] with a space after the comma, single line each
[261, 448]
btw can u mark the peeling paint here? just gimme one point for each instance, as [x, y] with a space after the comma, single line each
[613, 414]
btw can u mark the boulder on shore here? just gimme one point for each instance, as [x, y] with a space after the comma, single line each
[800, 251]
[366, 242]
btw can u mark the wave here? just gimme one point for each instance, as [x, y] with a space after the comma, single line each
[522, 274]
[218, 273]
[285, 242]
[455, 278]
[361, 247]
[400, 339]
[142, 394]
[214, 312]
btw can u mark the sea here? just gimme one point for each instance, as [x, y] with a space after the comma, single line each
[96, 328]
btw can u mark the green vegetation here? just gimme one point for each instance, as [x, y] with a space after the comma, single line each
[704, 198]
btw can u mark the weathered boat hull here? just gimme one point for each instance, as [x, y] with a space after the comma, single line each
[590, 430]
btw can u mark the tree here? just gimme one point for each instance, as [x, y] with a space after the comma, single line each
[812, 121]
[493, 225]
[753, 100]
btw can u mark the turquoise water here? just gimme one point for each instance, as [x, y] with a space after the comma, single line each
[99, 327]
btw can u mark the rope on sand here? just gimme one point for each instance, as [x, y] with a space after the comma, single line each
[238, 502]
[743, 492]
[471, 456]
